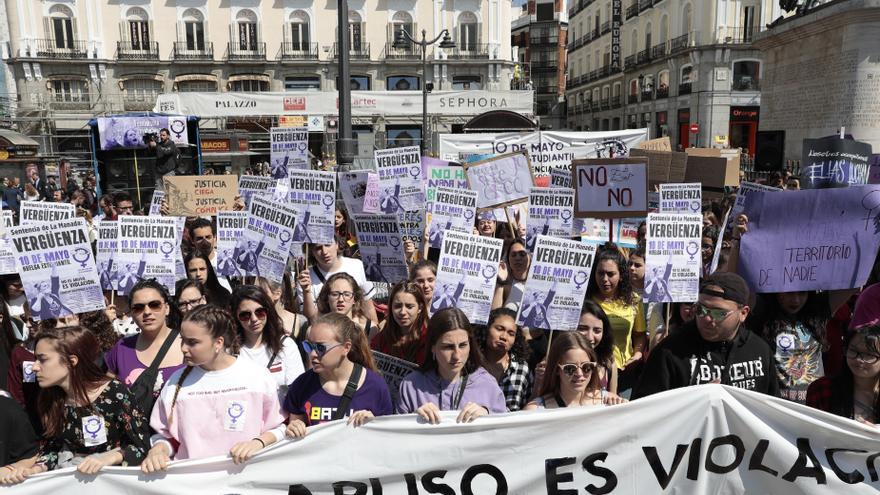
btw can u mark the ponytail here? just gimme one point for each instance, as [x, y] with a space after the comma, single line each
[347, 330]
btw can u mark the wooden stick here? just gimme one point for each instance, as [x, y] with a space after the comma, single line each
[611, 230]
[112, 296]
[549, 341]
[509, 223]
[668, 317]
[137, 178]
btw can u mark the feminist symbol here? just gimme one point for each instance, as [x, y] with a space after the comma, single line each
[692, 249]
[235, 411]
[284, 237]
[328, 201]
[81, 255]
[177, 127]
[93, 423]
[489, 272]
[415, 171]
[695, 206]
[167, 248]
[468, 215]
[566, 216]
[395, 242]
[580, 279]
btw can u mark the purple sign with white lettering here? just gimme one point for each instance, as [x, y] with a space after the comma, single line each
[820, 239]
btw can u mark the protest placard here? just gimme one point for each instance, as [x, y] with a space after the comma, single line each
[556, 284]
[198, 195]
[500, 181]
[466, 275]
[45, 212]
[105, 253]
[452, 210]
[674, 260]
[452, 177]
[612, 188]
[739, 206]
[156, 203]
[834, 162]
[817, 239]
[713, 172]
[264, 245]
[393, 370]
[250, 185]
[57, 268]
[412, 226]
[874, 170]
[681, 198]
[147, 247]
[551, 213]
[654, 201]
[7, 251]
[289, 150]
[626, 231]
[353, 188]
[560, 177]
[381, 248]
[659, 144]
[313, 197]
[230, 227]
[429, 161]
[400, 179]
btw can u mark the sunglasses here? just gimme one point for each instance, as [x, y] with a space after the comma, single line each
[716, 315]
[317, 348]
[570, 369]
[139, 308]
[245, 316]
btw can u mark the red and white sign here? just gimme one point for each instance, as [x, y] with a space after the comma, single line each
[695, 128]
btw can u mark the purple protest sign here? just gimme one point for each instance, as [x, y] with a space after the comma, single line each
[821, 239]
[874, 170]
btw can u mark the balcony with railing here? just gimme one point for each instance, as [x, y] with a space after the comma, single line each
[360, 51]
[631, 98]
[469, 51]
[59, 48]
[643, 57]
[632, 10]
[190, 51]
[745, 83]
[544, 40]
[139, 103]
[737, 35]
[291, 50]
[680, 43]
[629, 62]
[246, 52]
[616, 102]
[605, 103]
[685, 88]
[606, 27]
[663, 91]
[126, 50]
[645, 5]
[577, 6]
[658, 51]
[647, 95]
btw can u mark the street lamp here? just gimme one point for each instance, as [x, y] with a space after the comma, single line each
[403, 40]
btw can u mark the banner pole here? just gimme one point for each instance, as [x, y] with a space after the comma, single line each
[549, 341]
[137, 178]
[611, 230]
[668, 316]
[509, 223]
[112, 296]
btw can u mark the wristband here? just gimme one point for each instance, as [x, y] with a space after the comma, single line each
[261, 441]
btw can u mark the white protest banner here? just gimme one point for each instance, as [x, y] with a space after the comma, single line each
[412, 226]
[452, 210]
[353, 186]
[45, 212]
[147, 247]
[674, 259]
[393, 370]
[57, 268]
[255, 185]
[7, 251]
[313, 197]
[105, 253]
[381, 248]
[551, 212]
[264, 246]
[289, 150]
[400, 179]
[557, 284]
[156, 203]
[452, 176]
[715, 439]
[501, 180]
[681, 198]
[614, 188]
[466, 275]
[230, 228]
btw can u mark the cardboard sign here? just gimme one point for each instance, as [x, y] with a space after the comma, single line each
[500, 181]
[659, 144]
[610, 188]
[663, 166]
[198, 195]
[713, 172]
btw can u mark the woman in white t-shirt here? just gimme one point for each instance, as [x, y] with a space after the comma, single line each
[327, 262]
[263, 339]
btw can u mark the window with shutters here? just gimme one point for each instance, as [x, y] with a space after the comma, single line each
[61, 27]
[402, 21]
[69, 91]
[248, 37]
[468, 32]
[355, 31]
[136, 30]
[299, 31]
[193, 30]
[197, 86]
[249, 86]
[142, 89]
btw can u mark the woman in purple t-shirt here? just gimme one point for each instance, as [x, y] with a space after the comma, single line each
[155, 315]
[335, 345]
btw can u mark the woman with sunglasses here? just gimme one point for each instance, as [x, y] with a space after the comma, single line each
[264, 342]
[424, 275]
[512, 275]
[217, 404]
[342, 295]
[198, 267]
[451, 378]
[157, 319]
[189, 295]
[572, 377]
[506, 354]
[405, 334]
[342, 381]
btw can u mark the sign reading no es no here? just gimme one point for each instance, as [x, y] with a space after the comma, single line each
[610, 188]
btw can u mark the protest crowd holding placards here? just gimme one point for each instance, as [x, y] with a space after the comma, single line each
[457, 292]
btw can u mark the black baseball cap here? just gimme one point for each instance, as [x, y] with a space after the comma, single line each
[726, 285]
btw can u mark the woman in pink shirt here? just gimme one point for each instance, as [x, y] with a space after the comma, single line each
[217, 404]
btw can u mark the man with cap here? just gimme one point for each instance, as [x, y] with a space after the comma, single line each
[714, 348]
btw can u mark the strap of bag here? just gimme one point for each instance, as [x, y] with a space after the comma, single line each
[350, 389]
[154, 366]
[317, 272]
[275, 354]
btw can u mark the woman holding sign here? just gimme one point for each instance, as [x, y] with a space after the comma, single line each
[90, 420]
[218, 404]
[512, 275]
[504, 347]
[613, 292]
[452, 377]
[405, 334]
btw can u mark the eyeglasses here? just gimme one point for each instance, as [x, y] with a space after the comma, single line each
[318, 348]
[139, 308]
[245, 316]
[570, 369]
[865, 357]
[191, 302]
[346, 295]
[716, 315]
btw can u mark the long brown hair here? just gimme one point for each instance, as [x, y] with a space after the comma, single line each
[447, 320]
[348, 331]
[395, 336]
[357, 299]
[84, 377]
[562, 344]
[273, 329]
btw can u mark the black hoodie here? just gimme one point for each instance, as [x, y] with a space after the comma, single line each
[685, 358]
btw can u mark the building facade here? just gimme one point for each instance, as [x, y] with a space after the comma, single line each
[682, 68]
[73, 60]
[540, 32]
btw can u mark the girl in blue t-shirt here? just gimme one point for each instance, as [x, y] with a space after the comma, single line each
[339, 354]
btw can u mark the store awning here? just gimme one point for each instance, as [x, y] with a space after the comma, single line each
[226, 155]
[14, 138]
